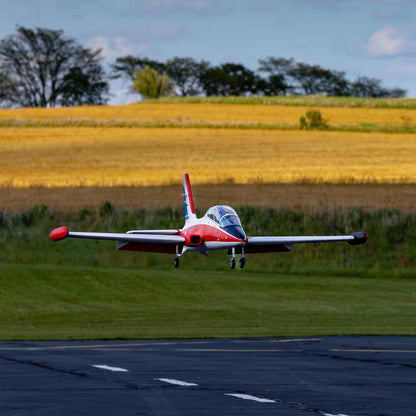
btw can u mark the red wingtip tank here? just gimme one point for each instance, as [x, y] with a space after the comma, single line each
[58, 233]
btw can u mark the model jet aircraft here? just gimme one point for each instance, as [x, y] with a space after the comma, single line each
[219, 229]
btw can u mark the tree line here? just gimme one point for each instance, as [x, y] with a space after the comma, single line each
[44, 68]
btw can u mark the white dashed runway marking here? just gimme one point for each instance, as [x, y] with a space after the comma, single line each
[249, 397]
[330, 414]
[106, 367]
[177, 382]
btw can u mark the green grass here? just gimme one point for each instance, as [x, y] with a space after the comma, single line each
[298, 100]
[390, 250]
[63, 302]
[75, 289]
[359, 128]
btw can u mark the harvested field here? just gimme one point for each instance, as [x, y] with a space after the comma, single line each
[297, 197]
[73, 157]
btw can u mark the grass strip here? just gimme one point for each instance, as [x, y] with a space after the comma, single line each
[359, 128]
[299, 100]
[60, 302]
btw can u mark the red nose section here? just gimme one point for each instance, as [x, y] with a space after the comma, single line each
[59, 233]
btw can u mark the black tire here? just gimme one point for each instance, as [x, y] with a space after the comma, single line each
[242, 262]
[176, 262]
[232, 263]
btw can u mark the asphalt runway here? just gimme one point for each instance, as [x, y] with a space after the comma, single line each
[284, 376]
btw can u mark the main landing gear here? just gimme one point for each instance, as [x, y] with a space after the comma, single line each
[242, 261]
[176, 259]
[232, 263]
[176, 262]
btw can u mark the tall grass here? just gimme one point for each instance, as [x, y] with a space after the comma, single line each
[359, 128]
[389, 251]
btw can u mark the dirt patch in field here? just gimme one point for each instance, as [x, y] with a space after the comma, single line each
[306, 197]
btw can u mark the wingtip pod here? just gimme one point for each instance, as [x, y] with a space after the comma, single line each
[360, 237]
[58, 233]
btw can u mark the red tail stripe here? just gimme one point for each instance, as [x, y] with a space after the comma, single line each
[189, 192]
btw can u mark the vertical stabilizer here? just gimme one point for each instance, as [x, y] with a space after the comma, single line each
[188, 199]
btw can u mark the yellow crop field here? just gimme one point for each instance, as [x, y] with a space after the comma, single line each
[215, 113]
[85, 156]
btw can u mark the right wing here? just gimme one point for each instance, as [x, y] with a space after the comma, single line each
[282, 244]
[157, 241]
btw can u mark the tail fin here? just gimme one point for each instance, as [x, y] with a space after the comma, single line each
[188, 199]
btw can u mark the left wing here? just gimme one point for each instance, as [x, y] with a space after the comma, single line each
[281, 244]
[159, 241]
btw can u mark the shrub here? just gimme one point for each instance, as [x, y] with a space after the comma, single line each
[313, 120]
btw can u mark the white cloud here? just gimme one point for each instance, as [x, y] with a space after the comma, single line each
[386, 42]
[114, 47]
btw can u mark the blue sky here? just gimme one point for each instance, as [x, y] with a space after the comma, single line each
[376, 38]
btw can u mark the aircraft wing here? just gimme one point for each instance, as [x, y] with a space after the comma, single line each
[161, 241]
[281, 244]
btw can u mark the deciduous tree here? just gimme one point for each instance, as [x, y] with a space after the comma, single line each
[230, 79]
[44, 68]
[126, 66]
[187, 74]
[149, 83]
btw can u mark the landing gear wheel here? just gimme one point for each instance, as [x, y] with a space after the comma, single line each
[176, 262]
[242, 262]
[232, 263]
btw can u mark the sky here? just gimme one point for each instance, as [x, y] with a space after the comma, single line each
[375, 38]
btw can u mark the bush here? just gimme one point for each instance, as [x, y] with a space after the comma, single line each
[313, 120]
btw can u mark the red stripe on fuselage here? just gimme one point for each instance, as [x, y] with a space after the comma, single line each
[209, 233]
[189, 191]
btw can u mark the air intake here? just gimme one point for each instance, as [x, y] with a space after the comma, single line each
[195, 240]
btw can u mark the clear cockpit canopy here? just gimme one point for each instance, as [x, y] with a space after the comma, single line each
[224, 216]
